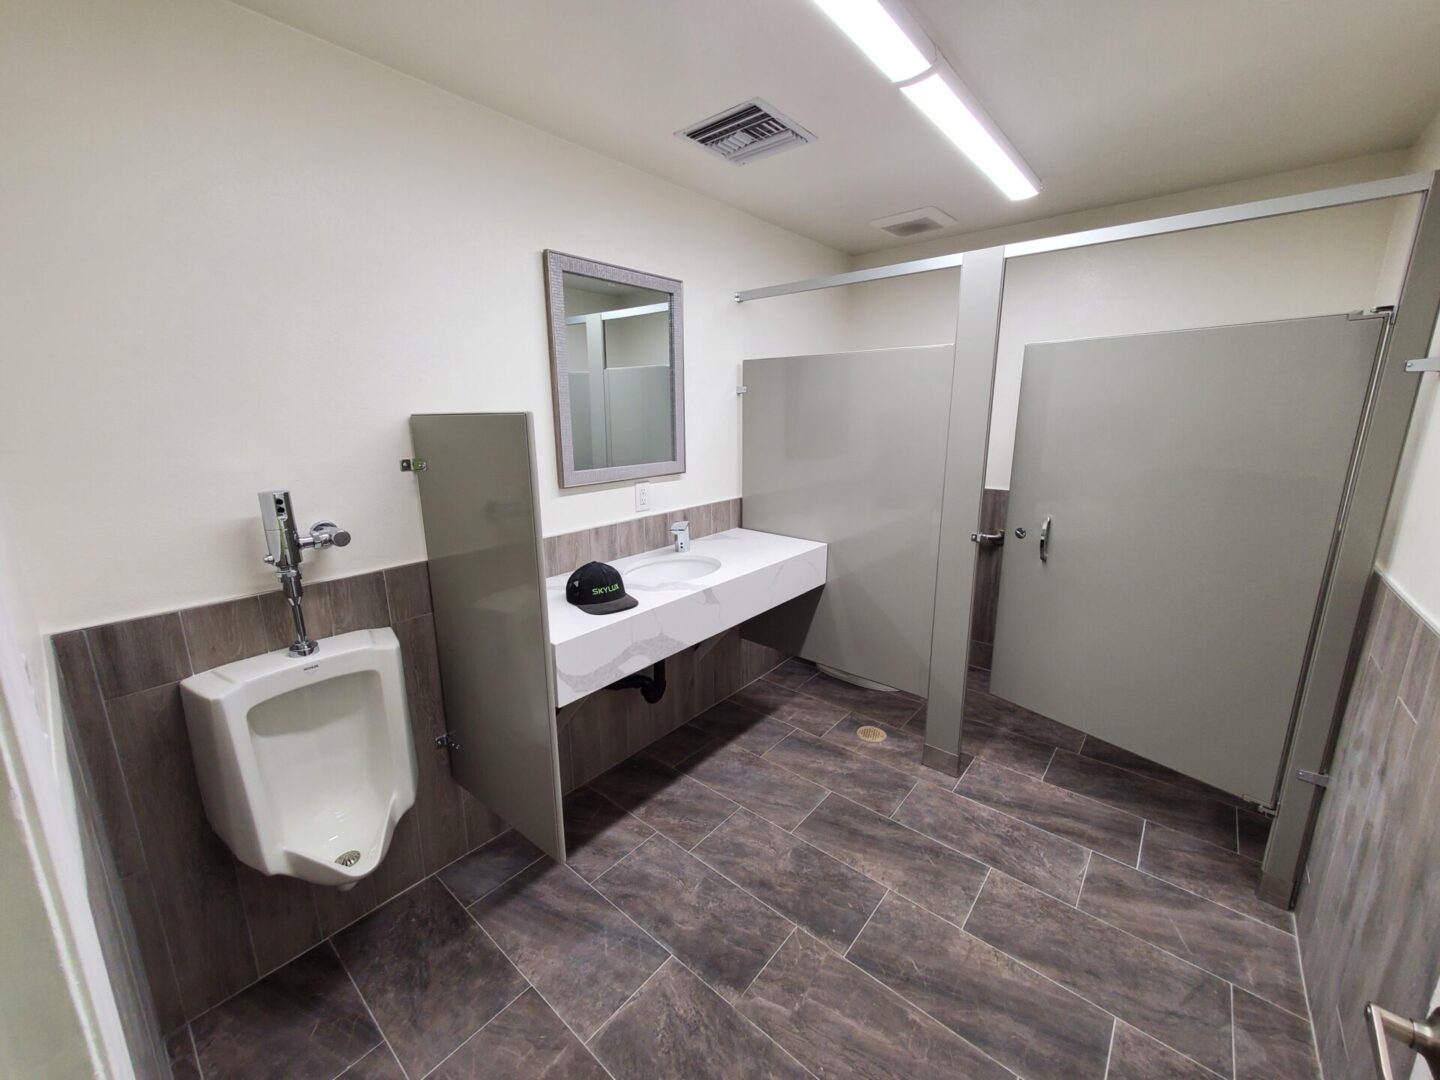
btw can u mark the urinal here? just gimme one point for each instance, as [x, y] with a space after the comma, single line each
[306, 764]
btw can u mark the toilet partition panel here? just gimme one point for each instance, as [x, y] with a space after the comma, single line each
[482, 533]
[849, 449]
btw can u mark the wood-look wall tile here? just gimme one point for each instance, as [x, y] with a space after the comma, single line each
[192, 871]
[481, 823]
[280, 626]
[86, 711]
[356, 603]
[221, 633]
[437, 798]
[596, 737]
[281, 915]
[154, 951]
[408, 590]
[138, 654]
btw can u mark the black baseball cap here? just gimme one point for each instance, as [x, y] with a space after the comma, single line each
[597, 589]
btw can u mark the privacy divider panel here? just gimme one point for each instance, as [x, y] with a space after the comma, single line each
[482, 533]
[849, 449]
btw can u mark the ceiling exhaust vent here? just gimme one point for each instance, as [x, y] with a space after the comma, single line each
[746, 132]
[914, 222]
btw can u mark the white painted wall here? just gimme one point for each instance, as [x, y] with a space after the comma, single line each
[1410, 548]
[234, 257]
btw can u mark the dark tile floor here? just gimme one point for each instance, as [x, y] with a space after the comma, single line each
[765, 894]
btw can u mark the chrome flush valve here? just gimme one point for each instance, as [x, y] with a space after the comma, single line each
[285, 548]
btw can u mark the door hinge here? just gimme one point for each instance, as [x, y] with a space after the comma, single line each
[740, 391]
[446, 742]
[413, 464]
[1319, 779]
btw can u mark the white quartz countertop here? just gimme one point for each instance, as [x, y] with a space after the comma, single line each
[757, 571]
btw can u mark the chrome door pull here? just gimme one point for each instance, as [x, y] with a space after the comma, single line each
[1423, 1038]
[1045, 541]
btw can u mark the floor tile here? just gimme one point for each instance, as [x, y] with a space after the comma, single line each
[1244, 951]
[598, 834]
[378, 1064]
[991, 709]
[1005, 747]
[430, 975]
[1136, 1056]
[1023, 1020]
[1036, 857]
[922, 869]
[714, 927]
[305, 1020]
[677, 1026]
[759, 785]
[791, 674]
[1173, 807]
[180, 1051]
[489, 867]
[1176, 1002]
[585, 957]
[526, 1040]
[742, 727]
[1121, 758]
[900, 749]
[866, 782]
[820, 893]
[1272, 1044]
[1085, 821]
[1217, 875]
[838, 1021]
[1254, 834]
[681, 808]
[798, 710]
[893, 708]
[684, 742]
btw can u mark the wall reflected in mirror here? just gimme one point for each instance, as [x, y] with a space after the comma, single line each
[616, 363]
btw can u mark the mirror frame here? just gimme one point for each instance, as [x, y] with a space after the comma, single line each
[557, 264]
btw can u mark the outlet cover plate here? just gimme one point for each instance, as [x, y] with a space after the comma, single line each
[642, 498]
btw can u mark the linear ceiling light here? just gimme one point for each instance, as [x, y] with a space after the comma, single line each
[870, 26]
[893, 49]
[963, 126]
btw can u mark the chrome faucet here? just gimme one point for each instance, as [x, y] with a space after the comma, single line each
[284, 547]
[681, 531]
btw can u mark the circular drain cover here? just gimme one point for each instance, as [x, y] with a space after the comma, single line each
[871, 733]
[350, 858]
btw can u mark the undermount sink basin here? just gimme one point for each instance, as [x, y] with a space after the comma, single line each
[669, 569]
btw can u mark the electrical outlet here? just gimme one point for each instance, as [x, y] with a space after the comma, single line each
[642, 498]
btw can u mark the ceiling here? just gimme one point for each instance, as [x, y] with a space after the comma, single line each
[1108, 100]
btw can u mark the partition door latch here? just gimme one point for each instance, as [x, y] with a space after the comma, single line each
[1422, 1036]
[1045, 541]
[996, 539]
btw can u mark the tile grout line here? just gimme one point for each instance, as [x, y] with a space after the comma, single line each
[1084, 876]
[368, 1011]
[985, 881]
[529, 983]
[633, 995]
[1305, 992]
[1110, 1050]
[1234, 1068]
[703, 981]
[884, 896]
[195, 1049]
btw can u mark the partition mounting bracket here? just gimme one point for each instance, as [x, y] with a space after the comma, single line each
[1428, 363]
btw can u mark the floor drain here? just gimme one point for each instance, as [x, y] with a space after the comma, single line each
[350, 858]
[870, 733]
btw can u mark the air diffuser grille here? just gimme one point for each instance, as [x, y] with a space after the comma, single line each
[746, 132]
[913, 222]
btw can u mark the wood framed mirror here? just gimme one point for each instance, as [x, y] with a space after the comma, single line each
[617, 371]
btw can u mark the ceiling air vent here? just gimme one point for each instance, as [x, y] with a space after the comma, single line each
[747, 132]
[914, 222]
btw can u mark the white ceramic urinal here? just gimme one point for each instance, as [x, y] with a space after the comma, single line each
[306, 764]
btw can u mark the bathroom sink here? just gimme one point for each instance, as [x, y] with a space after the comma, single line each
[669, 569]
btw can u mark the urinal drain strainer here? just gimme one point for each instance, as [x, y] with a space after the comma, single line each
[870, 733]
[350, 858]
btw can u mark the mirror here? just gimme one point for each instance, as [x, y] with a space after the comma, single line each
[617, 369]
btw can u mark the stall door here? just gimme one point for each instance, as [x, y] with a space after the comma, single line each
[1172, 505]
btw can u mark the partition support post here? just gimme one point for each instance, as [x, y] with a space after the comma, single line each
[1330, 672]
[977, 335]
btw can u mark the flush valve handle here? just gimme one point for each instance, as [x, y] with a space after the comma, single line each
[327, 533]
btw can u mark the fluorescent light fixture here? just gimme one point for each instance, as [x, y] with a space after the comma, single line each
[962, 125]
[870, 26]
